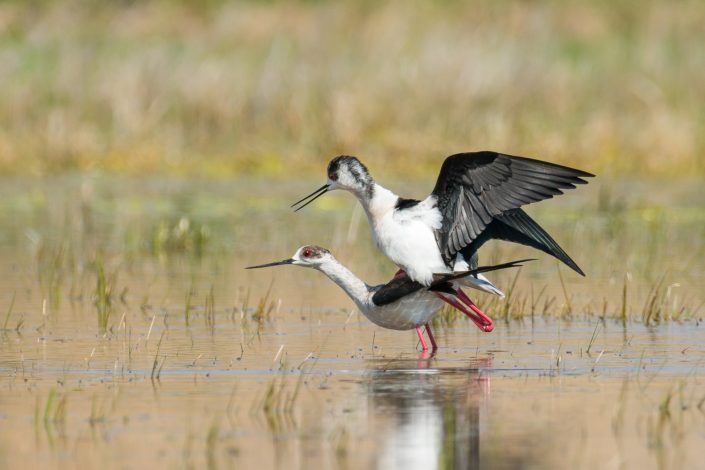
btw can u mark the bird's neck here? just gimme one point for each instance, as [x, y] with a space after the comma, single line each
[380, 204]
[357, 290]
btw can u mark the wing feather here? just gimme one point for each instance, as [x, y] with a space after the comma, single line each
[473, 188]
[394, 290]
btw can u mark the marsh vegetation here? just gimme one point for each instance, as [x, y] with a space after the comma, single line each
[112, 341]
[150, 150]
[216, 87]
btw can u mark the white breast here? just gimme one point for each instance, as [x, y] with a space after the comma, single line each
[407, 238]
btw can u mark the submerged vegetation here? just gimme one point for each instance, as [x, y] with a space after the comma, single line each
[182, 236]
[149, 151]
[246, 363]
[103, 296]
[631, 250]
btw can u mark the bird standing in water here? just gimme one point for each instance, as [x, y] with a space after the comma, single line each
[477, 197]
[402, 303]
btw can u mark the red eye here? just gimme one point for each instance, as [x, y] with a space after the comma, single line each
[333, 176]
[306, 252]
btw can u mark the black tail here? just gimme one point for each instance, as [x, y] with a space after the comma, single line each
[516, 226]
[440, 280]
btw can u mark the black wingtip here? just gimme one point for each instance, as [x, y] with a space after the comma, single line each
[563, 257]
[578, 174]
[577, 269]
[518, 227]
[568, 261]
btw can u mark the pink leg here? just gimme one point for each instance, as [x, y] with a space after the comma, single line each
[434, 346]
[421, 338]
[466, 300]
[481, 323]
[423, 360]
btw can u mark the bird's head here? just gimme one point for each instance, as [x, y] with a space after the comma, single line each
[344, 172]
[350, 174]
[308, 256]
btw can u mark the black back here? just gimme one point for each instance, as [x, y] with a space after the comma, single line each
[405, 203]
[400, 286]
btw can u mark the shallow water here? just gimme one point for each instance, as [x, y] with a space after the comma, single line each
[315, 390]
[189, 372]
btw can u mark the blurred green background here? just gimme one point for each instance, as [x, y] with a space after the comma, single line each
[217, 88]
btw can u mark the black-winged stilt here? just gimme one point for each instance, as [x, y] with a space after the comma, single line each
[400, 304]
[477, 197]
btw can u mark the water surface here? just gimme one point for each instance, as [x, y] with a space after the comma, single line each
[197, 362]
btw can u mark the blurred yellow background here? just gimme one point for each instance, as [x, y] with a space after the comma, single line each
[150, 150]
[219, 88]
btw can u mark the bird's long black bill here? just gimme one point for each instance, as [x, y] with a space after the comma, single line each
[276, 263]
[314, 195]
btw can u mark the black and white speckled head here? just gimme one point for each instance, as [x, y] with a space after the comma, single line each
[311, 255]
[349, 173]
[344, 172]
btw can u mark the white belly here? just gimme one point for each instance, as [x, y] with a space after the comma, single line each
[411, 311]
[412, 246]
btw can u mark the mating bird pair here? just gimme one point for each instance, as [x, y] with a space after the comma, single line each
[477, 197]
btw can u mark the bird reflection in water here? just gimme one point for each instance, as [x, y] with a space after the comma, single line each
[429, 418]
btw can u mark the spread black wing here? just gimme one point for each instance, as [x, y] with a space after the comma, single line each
[516, 226]
[474, 188]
